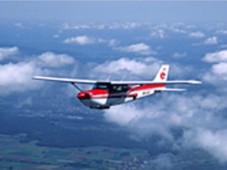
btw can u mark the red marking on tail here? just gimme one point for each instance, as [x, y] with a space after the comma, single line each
[162, 75]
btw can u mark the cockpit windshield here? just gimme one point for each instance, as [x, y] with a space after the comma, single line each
[105, 86]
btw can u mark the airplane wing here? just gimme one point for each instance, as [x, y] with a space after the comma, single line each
[65, 80]
[158, 82]
[83, 81]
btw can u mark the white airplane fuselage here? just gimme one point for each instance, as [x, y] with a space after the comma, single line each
[106, 97]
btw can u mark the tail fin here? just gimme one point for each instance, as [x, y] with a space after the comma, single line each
[162, 74]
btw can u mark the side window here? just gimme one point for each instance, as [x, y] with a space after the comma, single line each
[125, 88]
[120, 88]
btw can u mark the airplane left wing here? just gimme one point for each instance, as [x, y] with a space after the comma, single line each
[65, 80]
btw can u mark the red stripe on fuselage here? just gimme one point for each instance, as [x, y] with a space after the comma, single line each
[92, 93]
[98, 91]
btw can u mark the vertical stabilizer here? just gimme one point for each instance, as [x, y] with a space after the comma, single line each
[162, 74]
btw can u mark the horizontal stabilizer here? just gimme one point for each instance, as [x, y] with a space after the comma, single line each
[171, 89]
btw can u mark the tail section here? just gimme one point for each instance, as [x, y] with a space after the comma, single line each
[162, 74]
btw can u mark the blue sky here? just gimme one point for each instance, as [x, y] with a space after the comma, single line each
[103, 11]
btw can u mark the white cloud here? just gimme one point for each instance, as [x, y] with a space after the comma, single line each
[137, 68]
[122, 64]
[214, 141]
[197, 34]
[17, 77]
[217, 76]
[6, 52]
[160, 33]
[141, 121]
[68, 26]
[55, 60]
[145, 67]
[129, 25]
[211, 41]
[139, 48]
[220, 69]
[117, 114]
[81, 40]
[178, 30]
[220, 56]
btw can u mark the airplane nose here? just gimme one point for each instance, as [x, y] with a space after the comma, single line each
[83, 95]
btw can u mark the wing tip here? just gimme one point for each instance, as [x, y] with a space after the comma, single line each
[195, 82]
[35, 77]
[39, 78]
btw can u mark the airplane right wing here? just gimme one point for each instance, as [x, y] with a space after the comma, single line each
[157, 82]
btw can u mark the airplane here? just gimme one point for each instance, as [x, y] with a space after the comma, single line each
[105, 94]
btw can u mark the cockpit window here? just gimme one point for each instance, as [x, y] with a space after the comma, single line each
[101, 86]
[111, 88]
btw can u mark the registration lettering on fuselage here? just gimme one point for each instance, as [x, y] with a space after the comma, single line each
[146, 92]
